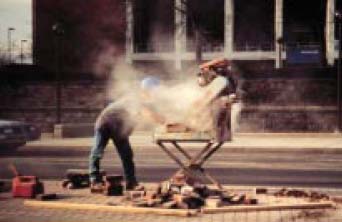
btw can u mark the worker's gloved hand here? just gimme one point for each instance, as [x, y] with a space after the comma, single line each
[224, 102]
[232, 98]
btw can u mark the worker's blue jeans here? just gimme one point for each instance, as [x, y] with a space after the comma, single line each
[123, 147]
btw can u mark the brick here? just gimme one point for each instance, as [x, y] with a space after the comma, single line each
[140, 203]
[179, 179]
[154, 202]
[164, 187]
[131, 195]
[169, 205]
[261, 191]
[250, 201]
[98, 188]
[186, 190]
[149, 195]
[213, 202]
[337, 199]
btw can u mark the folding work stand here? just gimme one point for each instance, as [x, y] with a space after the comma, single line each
[193, 168]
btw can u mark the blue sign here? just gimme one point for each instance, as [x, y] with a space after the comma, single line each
[297, 55]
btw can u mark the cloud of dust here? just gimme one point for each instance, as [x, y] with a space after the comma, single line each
[174, 98]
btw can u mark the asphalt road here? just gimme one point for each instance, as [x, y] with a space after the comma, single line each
[236, 168]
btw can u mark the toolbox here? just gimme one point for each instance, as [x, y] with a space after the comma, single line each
[26, 186]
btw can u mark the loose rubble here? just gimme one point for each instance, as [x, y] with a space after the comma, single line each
[182, 193]
[311, 195]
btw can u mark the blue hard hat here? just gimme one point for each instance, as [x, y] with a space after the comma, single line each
[150, 82]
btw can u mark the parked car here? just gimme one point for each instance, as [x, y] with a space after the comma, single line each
[14, 134]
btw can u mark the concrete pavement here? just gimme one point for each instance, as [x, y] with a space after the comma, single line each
[15, 210]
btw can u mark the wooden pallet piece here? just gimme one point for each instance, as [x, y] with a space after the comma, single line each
[114, 209]
[322, 205]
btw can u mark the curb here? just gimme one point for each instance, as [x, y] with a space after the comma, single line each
[228, 148]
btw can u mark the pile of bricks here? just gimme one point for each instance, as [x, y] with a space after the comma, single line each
[182, 193]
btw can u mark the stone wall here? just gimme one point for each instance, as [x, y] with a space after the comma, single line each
[289, 92]
[269, 105]
[36, 102]
[288, 105]
[287, 119]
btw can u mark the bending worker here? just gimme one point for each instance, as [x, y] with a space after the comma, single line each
[116, 122]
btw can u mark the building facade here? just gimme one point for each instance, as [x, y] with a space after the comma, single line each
[242, 30]
[165, 31]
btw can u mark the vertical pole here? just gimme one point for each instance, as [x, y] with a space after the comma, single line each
[58, 29]
[339, 67]
[180, 32]
[278, 32]
[58, 79]
[129, 31]
[229, 28]
[330, 32]
[34, 32]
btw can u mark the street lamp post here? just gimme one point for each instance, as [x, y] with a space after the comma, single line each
[58, 31]
[22, 51]
[338, 16]
[9, 30]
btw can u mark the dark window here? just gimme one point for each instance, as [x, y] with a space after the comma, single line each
[208, 18]
[254, 25]
[153, 25]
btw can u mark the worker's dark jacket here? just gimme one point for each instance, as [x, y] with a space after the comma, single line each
[117, 120]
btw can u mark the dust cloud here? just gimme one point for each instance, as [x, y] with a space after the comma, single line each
[173, 99]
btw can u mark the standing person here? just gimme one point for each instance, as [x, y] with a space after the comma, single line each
[116, 122]
[212, 109]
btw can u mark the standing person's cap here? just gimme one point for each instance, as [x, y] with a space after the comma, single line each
[215, 63]
[150, 82]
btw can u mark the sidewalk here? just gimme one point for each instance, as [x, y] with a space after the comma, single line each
[16, 210]
[263, 142]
